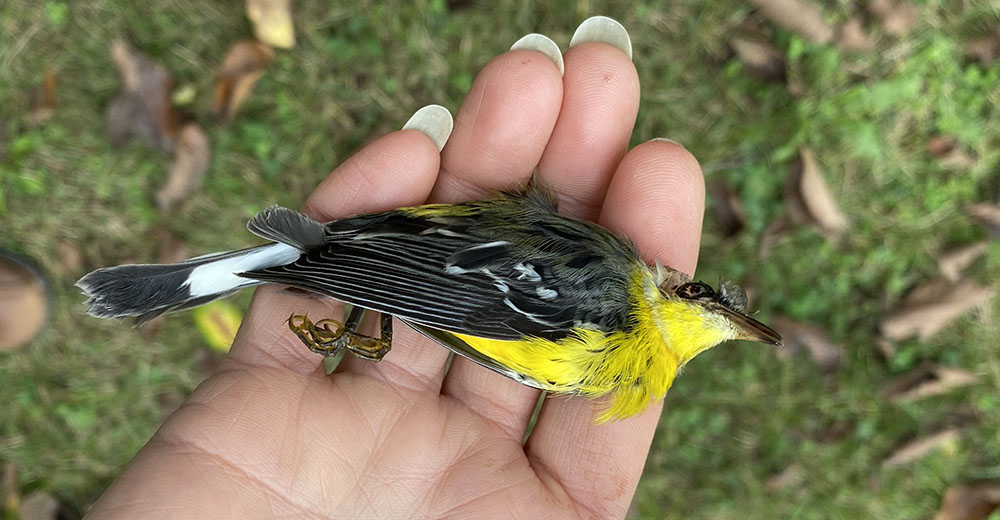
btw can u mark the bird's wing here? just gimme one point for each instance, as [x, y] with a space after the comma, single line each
[432, 271]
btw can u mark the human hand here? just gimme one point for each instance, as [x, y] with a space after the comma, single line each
[269, 434]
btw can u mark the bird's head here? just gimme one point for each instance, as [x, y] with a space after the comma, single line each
[696, 317]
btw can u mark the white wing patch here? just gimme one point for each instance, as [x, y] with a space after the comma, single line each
[547, 294]
[527, 272]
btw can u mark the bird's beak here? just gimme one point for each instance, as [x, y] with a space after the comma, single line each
[749, 329]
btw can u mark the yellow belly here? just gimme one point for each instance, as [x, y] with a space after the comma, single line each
[565, 366]
[635, 367]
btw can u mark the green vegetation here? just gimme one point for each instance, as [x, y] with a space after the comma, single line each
[87, 394]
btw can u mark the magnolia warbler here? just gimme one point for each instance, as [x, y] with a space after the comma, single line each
[555, 303]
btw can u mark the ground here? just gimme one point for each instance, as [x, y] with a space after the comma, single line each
[87, 394]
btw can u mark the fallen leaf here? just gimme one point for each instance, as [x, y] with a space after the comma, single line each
[824, 353]
[799, 16]
[932, 307]
[949, 153]
[243, 65]
[272, 22]
[940, 145]
[896, 17]
[886, 348]
[68, 258]
[927, 380]
[43, 100]
[954, 262]
[919, 448]
[24, 304]
[852, 37]
[187, 169]
[988, 215]
[218, 322]
[969, 502]
[142, 108]
[986, 49]
[793, 475]
[810, 199]
[727, 208]
[760, 58]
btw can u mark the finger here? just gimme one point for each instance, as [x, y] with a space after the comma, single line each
[396, 170]
[600, 102]
[502, 126]
[500, 134]
[656, 197]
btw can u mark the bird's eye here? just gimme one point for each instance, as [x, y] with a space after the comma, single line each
[695, 291]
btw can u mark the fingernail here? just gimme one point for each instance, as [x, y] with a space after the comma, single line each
[602, 29]
[434, 121]
[665, 140]
[543, 44]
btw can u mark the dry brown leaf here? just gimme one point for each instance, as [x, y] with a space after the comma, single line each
[972, 502]
[243, 65]
[954, 262]
[793, 475]
[43, 100]
[921, 447]
[727, 208]
[68, 258]
[886, 348]
[941, 144]
[933, 306]
[960, 159]
[272, 22]
[799, 16]
[760, 58]
[927, 380]
[142, 108]
[23, 303]
[187, 169]
[798, 335]
[896, 17]
[986, 49]
[988, 215]
[810, 199]
[851, 37]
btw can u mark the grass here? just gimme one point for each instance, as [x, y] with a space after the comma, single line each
[86, 394]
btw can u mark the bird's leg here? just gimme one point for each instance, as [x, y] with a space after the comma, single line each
[328, 336]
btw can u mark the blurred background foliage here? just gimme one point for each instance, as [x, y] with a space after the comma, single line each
[902, 124]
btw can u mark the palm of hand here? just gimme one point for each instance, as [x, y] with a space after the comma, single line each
[270, 434]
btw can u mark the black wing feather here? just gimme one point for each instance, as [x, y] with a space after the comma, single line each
[451, 272]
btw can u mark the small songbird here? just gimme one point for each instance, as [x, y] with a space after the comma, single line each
[556, 303]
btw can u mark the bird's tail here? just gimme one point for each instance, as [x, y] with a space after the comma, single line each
[148, 290]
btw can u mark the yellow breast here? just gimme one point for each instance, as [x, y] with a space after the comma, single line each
[634, 366]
